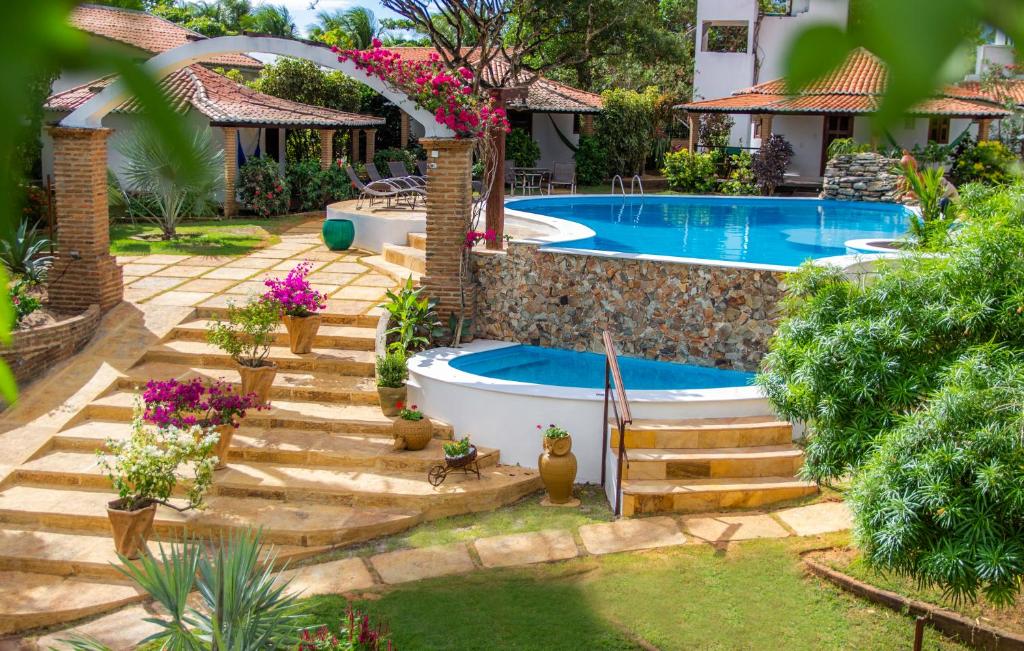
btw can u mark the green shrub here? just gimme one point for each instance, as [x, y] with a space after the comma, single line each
[248, 333]
[413, 320]
[770, 163]
[988, 162]
[932, 227]
[521, 148]
[392, 370]
[688, 171]
[304, 180]
[625, 129]
[591, 161]
[741, 179]
[22, 253]
[384, 156]
[844, 146]
[23, 302]
[262, 188]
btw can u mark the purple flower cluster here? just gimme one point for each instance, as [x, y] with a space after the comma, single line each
[294, 294]
[172, 403]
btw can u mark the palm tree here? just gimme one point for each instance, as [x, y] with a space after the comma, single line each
[353, 28]
[275, 20]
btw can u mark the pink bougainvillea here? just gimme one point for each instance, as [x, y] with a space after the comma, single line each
[173, 403]
[474, 237]
[448, 95]
[294, 294]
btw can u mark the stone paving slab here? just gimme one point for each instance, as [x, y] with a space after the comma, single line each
[727, 528]
[526, 548]
[120, 631]
[631, 535]
[415, 564]
[335, 577]
[825, 517]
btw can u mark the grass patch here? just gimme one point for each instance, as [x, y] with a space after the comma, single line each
[207, 237]
[752, 595]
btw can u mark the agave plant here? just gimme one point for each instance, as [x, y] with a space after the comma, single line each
[21, 253]
[243, 605]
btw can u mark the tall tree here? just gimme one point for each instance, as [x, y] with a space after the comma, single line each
[350, 28]
[275, 20]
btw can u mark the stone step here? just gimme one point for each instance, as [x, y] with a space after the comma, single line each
[327, 360]
[418, 241]
[265, 483]
[329, 317]
[642, 496]
[328, 336]
[761, 461]
[406, 256]
[81, 510]
[396, 271]
[288, 447]
[308, 386]
[287, 414]
[91, 555]
[701, 433]
[30, 600]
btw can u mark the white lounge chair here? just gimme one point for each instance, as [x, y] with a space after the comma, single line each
[381, 190]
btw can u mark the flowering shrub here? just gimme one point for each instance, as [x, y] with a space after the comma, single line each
[408, 413]
[690, 171]
[248, 333]
[144, 467]
[23, 302]
[988, 162]
[262, 187]
[553, 432]
[357, 634]
[293, 294]
[474, 237]
[172, 403]
[449, 96]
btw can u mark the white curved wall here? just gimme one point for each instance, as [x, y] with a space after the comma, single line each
[372, 232]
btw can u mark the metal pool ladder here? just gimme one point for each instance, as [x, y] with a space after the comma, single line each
[634, 183]
[614, 396]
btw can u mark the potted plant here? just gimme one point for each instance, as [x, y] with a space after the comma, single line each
[459, 453]
[392, 372]
[246, 337]
[557, 464]
[299, 304]
[173, 403]
[412, 431]
[143, 469]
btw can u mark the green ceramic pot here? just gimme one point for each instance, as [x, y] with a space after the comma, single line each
[338, 234]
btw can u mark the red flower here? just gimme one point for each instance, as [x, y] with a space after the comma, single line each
[399, 405]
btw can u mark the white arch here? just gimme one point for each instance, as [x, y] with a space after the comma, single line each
[90, 114]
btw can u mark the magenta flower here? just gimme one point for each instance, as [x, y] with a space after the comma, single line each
[294, 294]
[174, 403]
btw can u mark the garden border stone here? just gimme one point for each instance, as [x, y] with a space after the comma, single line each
[33, 352]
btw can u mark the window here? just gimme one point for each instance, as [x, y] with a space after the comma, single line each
[724, 36]
[938, 130]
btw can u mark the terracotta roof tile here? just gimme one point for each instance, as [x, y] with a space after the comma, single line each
[1011, 89]
[223, 101]
[146, 32]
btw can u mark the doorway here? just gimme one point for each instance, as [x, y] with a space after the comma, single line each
[836, 127]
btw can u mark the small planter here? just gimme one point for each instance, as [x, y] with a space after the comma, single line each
[338, 234]
[412, 434]
[463, 460]
[131, 529]
[390, 398]
[301, 332]
[258, 380]
[558, 469]
[226, 433]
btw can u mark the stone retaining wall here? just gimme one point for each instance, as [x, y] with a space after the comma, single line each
[33, 352]
[682, 312]
[861, 177]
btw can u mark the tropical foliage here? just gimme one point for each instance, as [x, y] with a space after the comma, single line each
[353, 28]
[927, 186]
[690, 171]
[226, 17]
[263, 188]
[22, 300]
[913, 385]
[770, 163]
[741, 179]
[989, 162]
[591, 161]
[413, 319]
[625, 129]
[521, 148]
[22, 253]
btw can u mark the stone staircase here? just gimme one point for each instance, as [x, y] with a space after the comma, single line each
[412, 256]
[315, 471]
[709, 464]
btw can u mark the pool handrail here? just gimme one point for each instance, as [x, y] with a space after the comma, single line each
[623, 416]
[622, 184]
[637, 180]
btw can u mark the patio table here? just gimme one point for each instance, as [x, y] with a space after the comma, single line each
[531, 178]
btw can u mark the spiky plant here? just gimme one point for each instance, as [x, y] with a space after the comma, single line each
[21, 253]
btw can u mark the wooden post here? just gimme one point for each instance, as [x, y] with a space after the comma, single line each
[230, 170]
[404, 130]
[983, 128]
[691, 144]
[495, 219]
[371, 144]
[766, 127]
[355, 145]
[326, 148]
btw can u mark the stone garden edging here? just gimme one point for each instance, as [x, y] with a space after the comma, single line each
[35, 351]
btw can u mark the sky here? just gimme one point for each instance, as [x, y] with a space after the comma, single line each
[304, 15]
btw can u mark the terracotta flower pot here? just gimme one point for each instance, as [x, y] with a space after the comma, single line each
[389, 399]
[301, 332]
[258, 380]
[131, 528]
[226, 433]
[414, 433]
[558, 469]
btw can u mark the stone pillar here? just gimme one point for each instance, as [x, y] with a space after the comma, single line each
[230, 170]
[355, 145]
[587, 127]
[404, 137]
[326, 148]
[691, 144]
[83, 273]
[371, 149]
[983, 129]
[449, 207]
[766, 127]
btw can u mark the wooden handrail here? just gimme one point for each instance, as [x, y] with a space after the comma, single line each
[623, 415]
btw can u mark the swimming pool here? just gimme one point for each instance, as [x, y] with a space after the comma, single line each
[566, 368]
[783, 232]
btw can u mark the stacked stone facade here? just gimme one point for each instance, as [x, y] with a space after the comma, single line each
[33, 352]
[861, 177]
[700, 314]
[83, 273]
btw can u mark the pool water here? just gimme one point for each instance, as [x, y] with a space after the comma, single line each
[782, 232]
[566, 368]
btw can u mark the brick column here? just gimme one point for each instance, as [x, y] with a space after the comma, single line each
[83, 273]
[355, 145]
[691, 144]
[230, 170]
[449, 205]
[371, 145]
[766, 127]
[326, 148]
[404, 138]
[587, 128]
[983, 127]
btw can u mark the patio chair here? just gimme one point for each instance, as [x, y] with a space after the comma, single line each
[399, 171]
[510, 175]
[381, 190]
[421, 167]
[375, 175]
[563, 174]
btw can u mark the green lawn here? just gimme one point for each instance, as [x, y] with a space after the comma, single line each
[208, 237]
[753, 595]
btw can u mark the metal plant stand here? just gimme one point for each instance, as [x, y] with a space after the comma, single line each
[466, 463]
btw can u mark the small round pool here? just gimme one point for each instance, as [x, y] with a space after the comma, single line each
[566, 368]
[768, 231]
